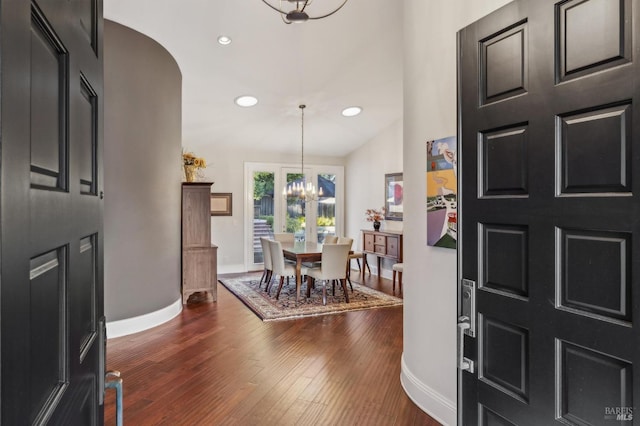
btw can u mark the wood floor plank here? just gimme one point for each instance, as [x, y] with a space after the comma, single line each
[219, 364]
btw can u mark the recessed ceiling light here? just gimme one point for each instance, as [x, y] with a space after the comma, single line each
[246, 101]
[224, 40]
[351, 111]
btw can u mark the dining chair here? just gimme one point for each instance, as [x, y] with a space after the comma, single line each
[334, 257]
[345, 240]
[357, 255]
[284, 237]
[279, 267]
[331, 239]
[266, 256]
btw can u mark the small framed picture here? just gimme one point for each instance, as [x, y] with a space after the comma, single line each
[221, 204]
[393, 190]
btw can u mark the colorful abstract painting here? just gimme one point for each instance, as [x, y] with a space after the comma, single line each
[442, 198]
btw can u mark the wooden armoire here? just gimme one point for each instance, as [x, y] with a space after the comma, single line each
[199, 256]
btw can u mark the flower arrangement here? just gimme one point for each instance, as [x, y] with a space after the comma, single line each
[189, 159]
[192, 164]
[374, 215]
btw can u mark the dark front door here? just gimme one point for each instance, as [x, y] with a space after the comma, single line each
[550, 185]
[51, 212]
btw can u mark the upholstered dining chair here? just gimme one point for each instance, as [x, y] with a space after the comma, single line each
[331, 239]
[345, 240]
[279, 267]
[266, 256]
[357, 255]
[334, 257]
[284, 237]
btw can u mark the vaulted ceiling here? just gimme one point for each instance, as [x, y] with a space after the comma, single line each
[351, 58]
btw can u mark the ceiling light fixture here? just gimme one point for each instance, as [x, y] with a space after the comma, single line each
[297, 12]
[300, 188]
[246, 101]
[224, 40]
[351, 111]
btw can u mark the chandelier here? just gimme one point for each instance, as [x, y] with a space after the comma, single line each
[302, 189]
[297, 13]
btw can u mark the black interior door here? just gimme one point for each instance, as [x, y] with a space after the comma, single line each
[51, 212]
[550, 168]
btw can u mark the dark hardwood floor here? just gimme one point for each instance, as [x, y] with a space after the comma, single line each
[219, 364]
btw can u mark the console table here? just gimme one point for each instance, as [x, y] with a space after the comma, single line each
[382, 244]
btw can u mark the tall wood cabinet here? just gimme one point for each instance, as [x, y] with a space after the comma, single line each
[199, 256]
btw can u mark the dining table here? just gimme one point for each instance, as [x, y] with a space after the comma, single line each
[301, 251]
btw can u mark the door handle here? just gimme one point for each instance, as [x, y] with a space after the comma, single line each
[464, 364]
[468, 290]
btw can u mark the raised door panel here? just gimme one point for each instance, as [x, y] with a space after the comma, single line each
[196, 217]
[88, 18]
[49, 107]
[598, 139]
[48, 288]
[504, 64]
[502, 162]
[198, 268]
[369, 242]
[199, 272]
[587, 45]
[380, 249]
[392, 246]
[88, 137]
[579, 369]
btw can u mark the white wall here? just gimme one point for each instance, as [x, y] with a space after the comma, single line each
[225, 167]
[428, 364]
[364, 178]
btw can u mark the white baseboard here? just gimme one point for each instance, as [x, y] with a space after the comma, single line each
[232, 269]
[386, 273]
[143, 322]
[429, 400]
[241, 269]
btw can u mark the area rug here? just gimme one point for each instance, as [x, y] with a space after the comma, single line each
[268, 308]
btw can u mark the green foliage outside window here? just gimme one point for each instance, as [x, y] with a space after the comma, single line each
[295, 224]
[292, 177]
[326, 221]
[269, 220]
[262, 184]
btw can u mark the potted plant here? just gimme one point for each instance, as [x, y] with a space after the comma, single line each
[375, 216]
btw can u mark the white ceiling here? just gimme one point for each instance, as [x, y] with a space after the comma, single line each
[351, 58]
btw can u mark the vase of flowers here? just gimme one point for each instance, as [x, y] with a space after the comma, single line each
[375, 216]
[192, 165]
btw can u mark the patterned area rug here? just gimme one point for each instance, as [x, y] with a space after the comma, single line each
[269, 309]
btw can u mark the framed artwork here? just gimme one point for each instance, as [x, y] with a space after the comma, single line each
[393, 191]
[442, 193]
[221, 203]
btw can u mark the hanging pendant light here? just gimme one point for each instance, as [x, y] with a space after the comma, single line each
[296, 12]
[302, 190]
